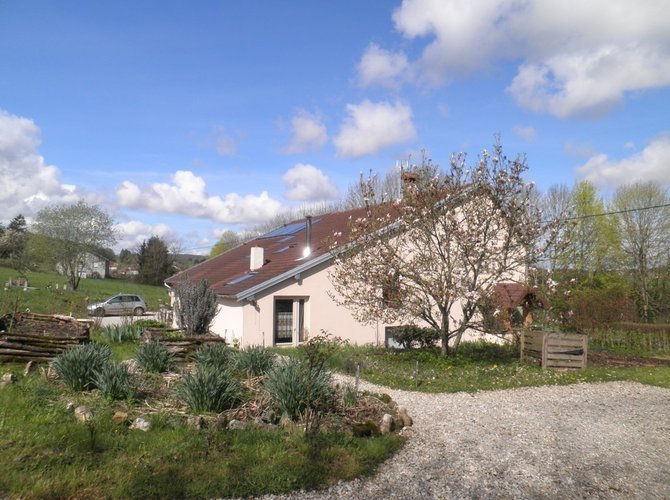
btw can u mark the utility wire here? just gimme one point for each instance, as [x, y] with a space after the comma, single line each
[617, 212]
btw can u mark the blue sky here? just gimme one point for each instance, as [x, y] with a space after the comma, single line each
[183, 119]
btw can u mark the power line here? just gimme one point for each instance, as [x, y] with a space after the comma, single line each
[617, 212]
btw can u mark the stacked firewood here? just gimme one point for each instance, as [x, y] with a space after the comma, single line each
[39, 337]
[181, 345]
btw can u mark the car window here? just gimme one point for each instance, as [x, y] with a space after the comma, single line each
[115, 300]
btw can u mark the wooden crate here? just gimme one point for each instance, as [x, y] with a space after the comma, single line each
[554, 349]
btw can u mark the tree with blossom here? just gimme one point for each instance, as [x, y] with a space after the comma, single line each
[435, 255]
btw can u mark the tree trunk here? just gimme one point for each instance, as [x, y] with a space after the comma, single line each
[444, 335]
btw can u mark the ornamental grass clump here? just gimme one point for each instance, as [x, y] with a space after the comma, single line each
[119, 334]
[77, 367]
[154, 357]
[210, 389]
[255, 361]
[297, 389]
[114, 381]
[215, 355]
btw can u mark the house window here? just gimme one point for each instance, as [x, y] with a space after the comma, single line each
[289, 320]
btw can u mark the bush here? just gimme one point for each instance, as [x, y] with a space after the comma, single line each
[77, 367]
[149, 323]
[154, 357]
[118, 334]
[410, 336]
[209, 389]
[195, 307]
[255, 361]
[114, 381]
[215, 355]
[296, 388]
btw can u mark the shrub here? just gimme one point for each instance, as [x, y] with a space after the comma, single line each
[154, 357]
[77, 367]
[118, 334]
[297, 389]
[149, 323]
[209, 389]
[410, 336]
[195, 307]
[114, 381]
[255, 361]
[215, 355]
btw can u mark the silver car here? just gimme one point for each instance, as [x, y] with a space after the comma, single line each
[118, 305]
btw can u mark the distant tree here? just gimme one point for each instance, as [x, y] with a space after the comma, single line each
[65, 234]
[155, 262]
[645, 233]
[438, 253]
[229, 239]
[13, 242]
[126, 256]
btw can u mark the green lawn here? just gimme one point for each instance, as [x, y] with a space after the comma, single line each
[43, 296]
[477, 366]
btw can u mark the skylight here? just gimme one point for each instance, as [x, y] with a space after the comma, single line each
[240, 279]
[287, 230]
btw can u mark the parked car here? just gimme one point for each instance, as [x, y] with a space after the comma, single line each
[118, 305]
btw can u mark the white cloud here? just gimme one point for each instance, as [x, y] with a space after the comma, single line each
[308, 183]
[187, 195]
[371, 127]
[27, 183]
[225, 144]
[131, 234]
[309, 133]
[382, 67]
[526, 133]
[651, 164]
[576, 57]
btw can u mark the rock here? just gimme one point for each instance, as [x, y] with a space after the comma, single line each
[133, 366]
[387, 424]
[140, 424]
[83, 414]
[260, 424]
[236, 425]
[195, 422]
[31, 367]
[119, 417]
[404, 416]
[7, 379]
[70, 406]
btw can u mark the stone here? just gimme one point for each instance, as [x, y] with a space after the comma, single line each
[70, 406]
[31, 367]
[387, 424]
[236, 425]
[83, 414]
[119, 417]
[259, 423]
[7, 379]
[133, 366]
[404, 416]
[195, 422]
[141, 424]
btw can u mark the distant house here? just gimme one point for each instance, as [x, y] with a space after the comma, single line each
[93, 266]
[274, 290]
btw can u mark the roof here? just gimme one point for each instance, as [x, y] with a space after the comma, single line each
[509, 295]
[228, 274]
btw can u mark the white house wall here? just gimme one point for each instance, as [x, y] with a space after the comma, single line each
[321, 312]
[229, 320]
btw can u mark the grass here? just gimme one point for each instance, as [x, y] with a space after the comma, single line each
[477, 366]
[44, 453]
[43, 297]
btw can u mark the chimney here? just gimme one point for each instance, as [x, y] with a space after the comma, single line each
[256, 258]
[308, 236]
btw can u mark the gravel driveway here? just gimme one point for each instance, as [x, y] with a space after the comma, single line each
[609, 440]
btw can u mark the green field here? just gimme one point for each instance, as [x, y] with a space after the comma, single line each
[50, 294]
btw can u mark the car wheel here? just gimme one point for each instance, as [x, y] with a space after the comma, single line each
[138, 311]
[99, 312]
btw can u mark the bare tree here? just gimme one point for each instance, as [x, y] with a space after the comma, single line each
[645, 235]
[65, 234]
[437, 254]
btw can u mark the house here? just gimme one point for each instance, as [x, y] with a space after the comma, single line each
[275, 290]
[91, 266]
